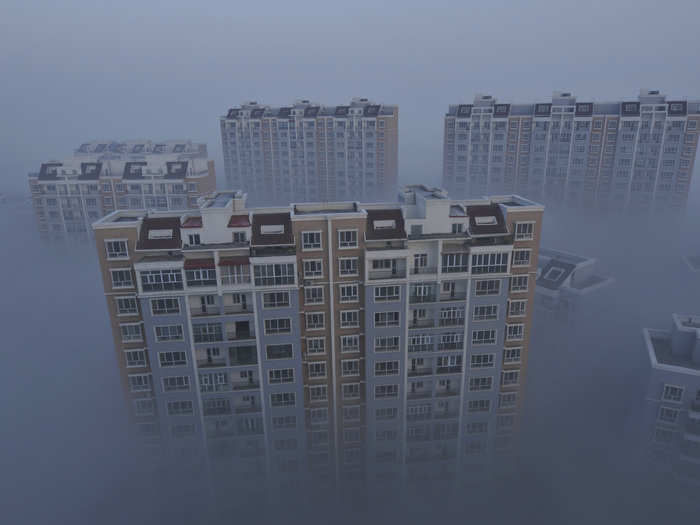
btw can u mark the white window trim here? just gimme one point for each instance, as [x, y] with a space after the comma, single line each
[145, 360]
[531, 236]
[155, 335]
[355, 299]
[357, 239]
[303, 267]
[681, 388]
[512, 348]
[168, 367]
[514, 262]
[306, 320]
[127, 269]
[320, 236]
[132, 340]
[323, 295]
[155, 314]
[321, 338]
[325, 370]
[524, 314]
[277, 332]
[344, 327]
[520, 290]
[116, 305]
[357, 266]
[120, 258]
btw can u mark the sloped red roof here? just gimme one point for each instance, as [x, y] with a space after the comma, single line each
[192, 222]
[239, 260]
[238, 221]
[195, 264]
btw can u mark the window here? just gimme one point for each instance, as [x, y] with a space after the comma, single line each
[487, 287]
[349, 293]
[313, 295]
[477, 427]
[519, 283]
[349, 343]
[169, 333]
[131, 333]
[319, 416]
[176, 384]
[386, 368]
[278, 326]
[116, 250]
[318, 393]
[672, 393]
[384, 319]
[144, 407]
[273, 274]
[169, 305]
[350, 367]
[489, 263]
[194, 239]
[121, 279]
[483, 337]
[311, 240]
[159, 280]
[508, 400]
[279, 351]
[479, 405]
[181, 431]
[487, 312]
[347, 238]
[315, 321]
[517, 308]
[514, 332]
[271, 229]
[455, 262]
[180, 408]
[511, 355]
[172, 358]
[279, 422]
[281, 375]
[351, 391]
[313, 268]
[384, 413]
[510, 377]
[239, 237]
[348, 266]
[275, 299]
[521, 257]
[140, 383]
[349, 318]
[207, 333]
[135, 358]
[127, 306]
[317, 370]
[351, 413]
[316, 345]
[201, 277]
[668, 415]
[386, 391]
[482, 360]
[386, 344]
[524, 231]
[457, 227]
[283, 399]
[386, 293]
[479, 384]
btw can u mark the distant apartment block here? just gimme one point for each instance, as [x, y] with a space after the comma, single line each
[372, 340]
[619, 155]
[101, 177]
[310, 152]
[672, 418]
[564, 281]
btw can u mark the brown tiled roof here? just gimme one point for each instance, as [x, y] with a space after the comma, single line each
[192, 222]
[238, 260]
[194, 264]
[486, 210]
[238, 221]
[159, 223]
[263, 219]
[398, 232]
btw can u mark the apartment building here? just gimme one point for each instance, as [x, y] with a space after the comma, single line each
[621, 155]
[564, 282]
[307, 152]
[104, 176]
[672, 416]
[340, 341]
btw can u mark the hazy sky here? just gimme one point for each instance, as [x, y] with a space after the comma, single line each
[77, 70]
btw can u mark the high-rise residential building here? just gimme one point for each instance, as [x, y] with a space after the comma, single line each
[104, 176]
[308, 152]
[621, 155]
[368, 339]
[564, 282]
[672, 418]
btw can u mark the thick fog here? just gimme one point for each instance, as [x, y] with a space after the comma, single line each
[73, 71]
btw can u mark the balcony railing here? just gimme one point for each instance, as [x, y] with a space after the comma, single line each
[248, 409]
[455, 269]
[451, 346]
[422, 299]
[452, 321]
[422, 323]
[246, 385]
[422, 394]
[198, 311]
[418, 417]
[387, 274]
[447, 393]
[446, 414]
[238, 308]
[228, 280]
[422, 270]
[412, 372]
[457, 296]
[211, 363]
[455, 369]
[427, 347]
[240, 336]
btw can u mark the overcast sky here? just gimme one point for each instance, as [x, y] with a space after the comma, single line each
[77, 70]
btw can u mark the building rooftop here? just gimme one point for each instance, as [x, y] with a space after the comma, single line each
[559, 270]
[272, 229]
[385, 224]
[677, 349]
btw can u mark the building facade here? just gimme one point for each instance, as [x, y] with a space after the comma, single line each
[672, 416]
[341, 341]
[632, 155]
[102, 177]
[310, 152]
